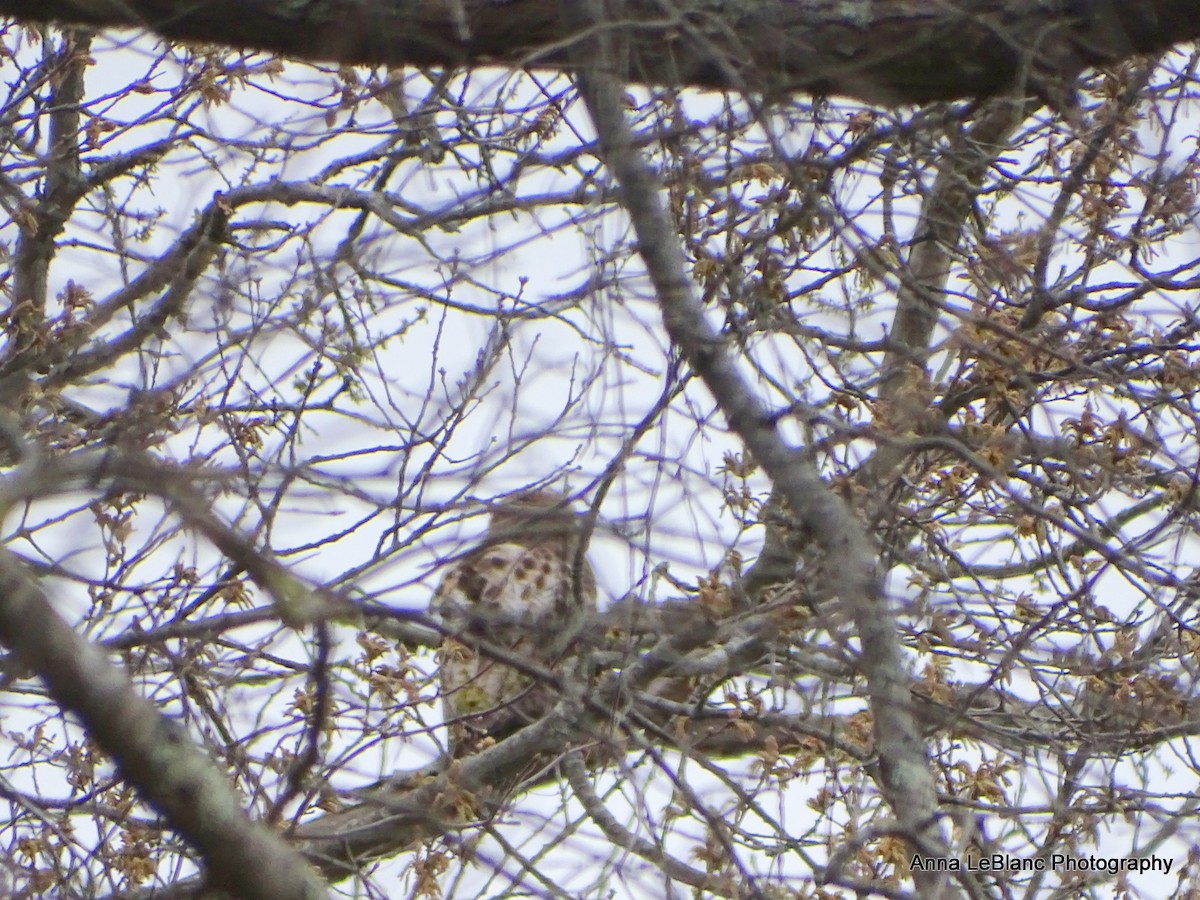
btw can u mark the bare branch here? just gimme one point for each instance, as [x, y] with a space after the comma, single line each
[177, 778]
[881, 53]
[903, 766]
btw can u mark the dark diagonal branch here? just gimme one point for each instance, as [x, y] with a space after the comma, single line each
[903, 766]
[173, 775]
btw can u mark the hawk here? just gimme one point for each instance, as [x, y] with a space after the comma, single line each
[520, 590]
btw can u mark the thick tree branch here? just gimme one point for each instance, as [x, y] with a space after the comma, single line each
[904, 769]
[414, 804]
[172, 774]
[902, 51]
[45, 219]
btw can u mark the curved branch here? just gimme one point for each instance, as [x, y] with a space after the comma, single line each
[576, 772]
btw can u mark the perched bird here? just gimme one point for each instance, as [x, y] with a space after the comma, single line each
[521, 591]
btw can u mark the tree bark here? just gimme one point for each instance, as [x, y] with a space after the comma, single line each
[880, 51]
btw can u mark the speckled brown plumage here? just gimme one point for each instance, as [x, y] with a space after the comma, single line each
[519, 591]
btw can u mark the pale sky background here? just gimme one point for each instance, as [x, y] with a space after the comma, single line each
[276, 127]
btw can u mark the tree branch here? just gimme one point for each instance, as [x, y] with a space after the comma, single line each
[913, 51]
[904, 769]
[169, 772]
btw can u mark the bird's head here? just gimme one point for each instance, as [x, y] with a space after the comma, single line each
[534, 513]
